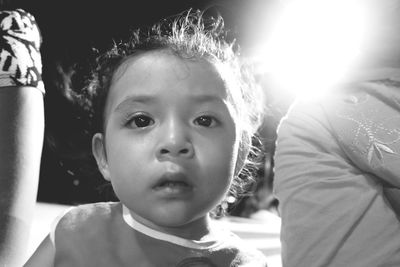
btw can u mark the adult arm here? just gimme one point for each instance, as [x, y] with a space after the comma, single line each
[21, 137]
[21, 133]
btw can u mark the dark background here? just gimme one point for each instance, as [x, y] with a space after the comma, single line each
[70, 30]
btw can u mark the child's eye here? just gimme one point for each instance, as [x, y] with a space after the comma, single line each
[206, 121]
[140, 121]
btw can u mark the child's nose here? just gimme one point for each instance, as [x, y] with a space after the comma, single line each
[175, 143]
[173, 151]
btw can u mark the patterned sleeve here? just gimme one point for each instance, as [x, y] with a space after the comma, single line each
[367, 126]
[331, 198]
[20, 59]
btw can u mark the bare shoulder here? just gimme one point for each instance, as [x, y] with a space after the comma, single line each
[43, 256]
[82, 216]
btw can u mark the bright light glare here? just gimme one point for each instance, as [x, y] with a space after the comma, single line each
[314, 43]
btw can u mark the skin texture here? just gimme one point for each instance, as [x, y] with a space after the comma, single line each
[21, 139]
[168, 119]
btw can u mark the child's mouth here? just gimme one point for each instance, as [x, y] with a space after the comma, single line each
[173, 184]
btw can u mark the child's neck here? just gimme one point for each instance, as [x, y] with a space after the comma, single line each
[197, 231]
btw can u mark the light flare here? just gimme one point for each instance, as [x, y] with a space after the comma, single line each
[313, 45]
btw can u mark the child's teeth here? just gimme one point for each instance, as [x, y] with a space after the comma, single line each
[172, 184]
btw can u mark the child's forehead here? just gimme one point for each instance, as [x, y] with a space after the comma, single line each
[145, 61]
[159, 71]
[152, 68]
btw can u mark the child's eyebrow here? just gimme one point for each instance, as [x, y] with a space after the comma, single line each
[206, 98]
[148, 99]
[142, 99]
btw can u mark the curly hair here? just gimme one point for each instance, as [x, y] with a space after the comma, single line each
[193, 37]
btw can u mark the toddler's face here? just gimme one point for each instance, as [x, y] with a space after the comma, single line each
[170, 140]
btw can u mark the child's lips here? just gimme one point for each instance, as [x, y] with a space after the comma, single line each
[173, 184]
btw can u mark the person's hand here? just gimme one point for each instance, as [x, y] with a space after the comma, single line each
[20, 59]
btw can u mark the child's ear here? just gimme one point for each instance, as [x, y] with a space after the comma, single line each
[99, 152]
